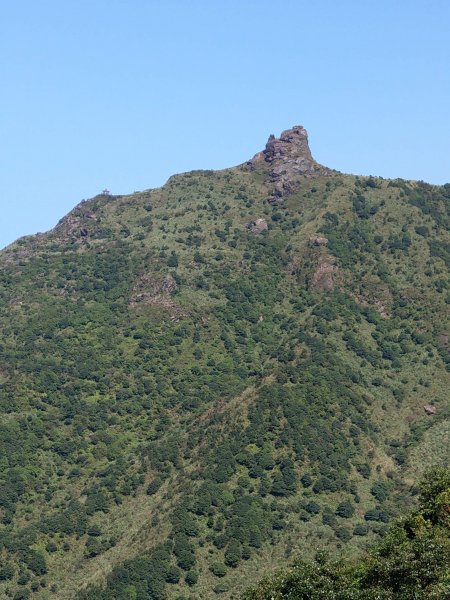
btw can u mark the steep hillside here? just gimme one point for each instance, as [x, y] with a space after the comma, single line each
[201, 380]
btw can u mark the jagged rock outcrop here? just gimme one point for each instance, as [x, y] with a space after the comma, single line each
[83, 222]
[289, 160]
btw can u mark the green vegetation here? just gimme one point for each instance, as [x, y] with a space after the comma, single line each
[412, 561]
[185, 401]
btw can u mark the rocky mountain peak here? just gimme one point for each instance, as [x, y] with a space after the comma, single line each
[292, 145]
[288, 159]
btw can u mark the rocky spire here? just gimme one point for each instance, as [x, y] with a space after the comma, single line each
[291, 146]
[288, 159]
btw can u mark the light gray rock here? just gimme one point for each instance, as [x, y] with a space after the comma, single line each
[257, 226]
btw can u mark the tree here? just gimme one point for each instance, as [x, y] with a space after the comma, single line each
[343, 534]
[186, 559]
[173, 574]
[94, 530]
[36, 562]
[379, 490]
[233, 553]
[153, 486]
[433, 499]
[345, 509]
[218, 569]
[93, 547]
[312, 507]
[306, 480]
[6, 572]
[191, 578]
[289, 476]
[172, 260]
[361, 529]
[278, 485]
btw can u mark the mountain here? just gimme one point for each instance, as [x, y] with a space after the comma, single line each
[200, 381]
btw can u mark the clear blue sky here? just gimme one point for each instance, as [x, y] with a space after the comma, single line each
[122, 94]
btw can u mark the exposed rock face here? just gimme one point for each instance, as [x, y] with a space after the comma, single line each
[323, 276]
[292, 145]
[83, 222]
[152, 289]
[429, 409]
[289, 159]
[444, 340]
[168, 285]
[257, 226]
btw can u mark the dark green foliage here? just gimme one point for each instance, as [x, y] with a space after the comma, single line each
[145, 575]
[434, 497]
[306, 480]
[51, 547]
[375, 514]
[218, 569]
[94, 531]
[361, 529]
[411, 562]
[329, 519]
[23, 594]
[345, 509]
[380, 490]
[173, 574]
[93, 547]
[441, 250]
[36, 562]
[6, 572]
[153, 486]
[173, 260]
[233, 553]
[184, 552]
[191, 578]
[343, 534]
[422, 230]
[312, 507]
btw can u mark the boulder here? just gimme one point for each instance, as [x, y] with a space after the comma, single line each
[257, 226]
[318, 241]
